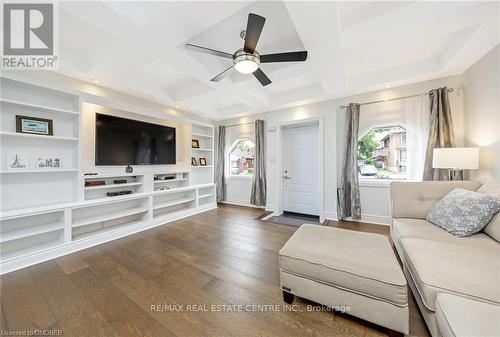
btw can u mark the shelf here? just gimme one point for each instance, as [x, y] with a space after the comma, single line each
[39, 171]
[105, 230]
[41, 107]
[84, 221]
[30, 250]
[30, 231]
[101, 176]
[173, 203]
[199, 166]
[201, 135]
[169, 180]
[205, 196]
[29, 135]
[197, 149]
[103, 187]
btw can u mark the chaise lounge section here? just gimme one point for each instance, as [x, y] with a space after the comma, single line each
[435, 261]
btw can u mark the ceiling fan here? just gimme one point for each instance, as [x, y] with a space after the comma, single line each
[247, 60]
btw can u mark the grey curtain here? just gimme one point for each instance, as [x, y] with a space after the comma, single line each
[349, 203]
[258, 196]
[440, 133]
[219, 167]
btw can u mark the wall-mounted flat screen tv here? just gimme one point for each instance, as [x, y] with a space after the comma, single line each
[122, 141]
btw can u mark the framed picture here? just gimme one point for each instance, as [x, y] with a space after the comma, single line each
[34, 125]
[193, 161]
[195, 144]
[203, 161]
[17, 161]
[48, 162]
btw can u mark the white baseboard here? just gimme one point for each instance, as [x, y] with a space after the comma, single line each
[240, 203]
[368, 218]
[64, 249]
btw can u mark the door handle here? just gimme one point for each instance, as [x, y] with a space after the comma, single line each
[285, 177]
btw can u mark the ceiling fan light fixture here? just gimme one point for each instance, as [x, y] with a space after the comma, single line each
[246, 63]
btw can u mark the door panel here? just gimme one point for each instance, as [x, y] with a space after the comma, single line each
[301, 170]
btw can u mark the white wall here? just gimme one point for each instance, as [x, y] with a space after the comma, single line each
[374, 197]
[482, 102]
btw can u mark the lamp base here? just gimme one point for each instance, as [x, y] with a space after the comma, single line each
[455, 174]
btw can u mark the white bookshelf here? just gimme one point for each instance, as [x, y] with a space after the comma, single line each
[204, 133]
[134, 184]
[33, 186]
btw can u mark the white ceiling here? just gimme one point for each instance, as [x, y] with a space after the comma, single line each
[138, 48]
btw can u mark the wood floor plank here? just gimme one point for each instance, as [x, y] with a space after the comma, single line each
[71, 263]
[24, 306]
[74, 313]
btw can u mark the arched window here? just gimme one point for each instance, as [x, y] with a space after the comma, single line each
[242, 158]
[382, 153]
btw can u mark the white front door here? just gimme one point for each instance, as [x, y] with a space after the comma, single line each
[301, 169]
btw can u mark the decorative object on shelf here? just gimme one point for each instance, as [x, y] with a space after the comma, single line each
[129, 169]
[168, 177]
[95, 183]
[90, 174]
[193, 161]
[49, 162]
[195, 143]
[120, 181]
[34, 125]
[17, 161]
[203, 161]
[162, 188]
[115, 194]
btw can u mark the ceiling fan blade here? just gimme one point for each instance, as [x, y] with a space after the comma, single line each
[221, 75]
[263, 79]
[254, 28]
[208, 51]
[294, 56]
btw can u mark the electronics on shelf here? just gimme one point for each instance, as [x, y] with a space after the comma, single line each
[95, 183]
[115, 194]
[120, 181]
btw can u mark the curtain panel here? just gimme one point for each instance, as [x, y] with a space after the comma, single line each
[259, 192]
[440, 133]
[220, 166]
[349, 203]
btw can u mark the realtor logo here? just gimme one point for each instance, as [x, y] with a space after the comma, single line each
[29, 36]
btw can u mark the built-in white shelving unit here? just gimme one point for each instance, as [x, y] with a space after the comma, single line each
[32, 188]
[50, 212]
[204, 133]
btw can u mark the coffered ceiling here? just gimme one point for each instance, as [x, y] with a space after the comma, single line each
[138, 47]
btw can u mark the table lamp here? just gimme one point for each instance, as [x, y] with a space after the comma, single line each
[456, 159]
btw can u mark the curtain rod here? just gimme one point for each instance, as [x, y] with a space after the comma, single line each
[228, 126]
[394, 99]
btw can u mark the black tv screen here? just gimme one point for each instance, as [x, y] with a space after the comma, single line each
[122, 141]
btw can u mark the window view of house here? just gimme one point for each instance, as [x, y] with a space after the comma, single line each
[382, 153]
[242, 158]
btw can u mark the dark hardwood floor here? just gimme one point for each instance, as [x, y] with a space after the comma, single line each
[161, 281]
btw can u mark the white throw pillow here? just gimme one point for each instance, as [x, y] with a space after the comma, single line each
[493, 227]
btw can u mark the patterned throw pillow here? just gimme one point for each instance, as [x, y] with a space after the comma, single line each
[463, 213]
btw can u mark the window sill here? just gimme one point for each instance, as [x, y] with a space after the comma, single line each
[240, 177]
[381, 183]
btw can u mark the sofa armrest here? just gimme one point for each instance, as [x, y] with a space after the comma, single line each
[416, 199]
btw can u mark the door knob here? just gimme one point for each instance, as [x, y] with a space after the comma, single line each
[285, 177]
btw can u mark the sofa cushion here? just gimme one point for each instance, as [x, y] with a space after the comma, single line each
[463, 213]
[493, 228]
[422, 229]
[464, 270]
[461, 317]
[358, 262]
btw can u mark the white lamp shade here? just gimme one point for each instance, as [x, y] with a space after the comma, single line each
[461, 158]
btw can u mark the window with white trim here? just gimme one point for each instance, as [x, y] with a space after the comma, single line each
[382, 153]
[242, 158]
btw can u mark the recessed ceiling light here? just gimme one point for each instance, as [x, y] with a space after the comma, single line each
[96, 81]
[176, 106]
[387, 85]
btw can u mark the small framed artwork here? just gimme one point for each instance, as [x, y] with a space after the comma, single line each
[193, 162]
[17, 161]
[48, 162]
[203, 161]
[195, 143]
[34, 125]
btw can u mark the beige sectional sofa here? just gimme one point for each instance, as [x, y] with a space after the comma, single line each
[435, 261]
